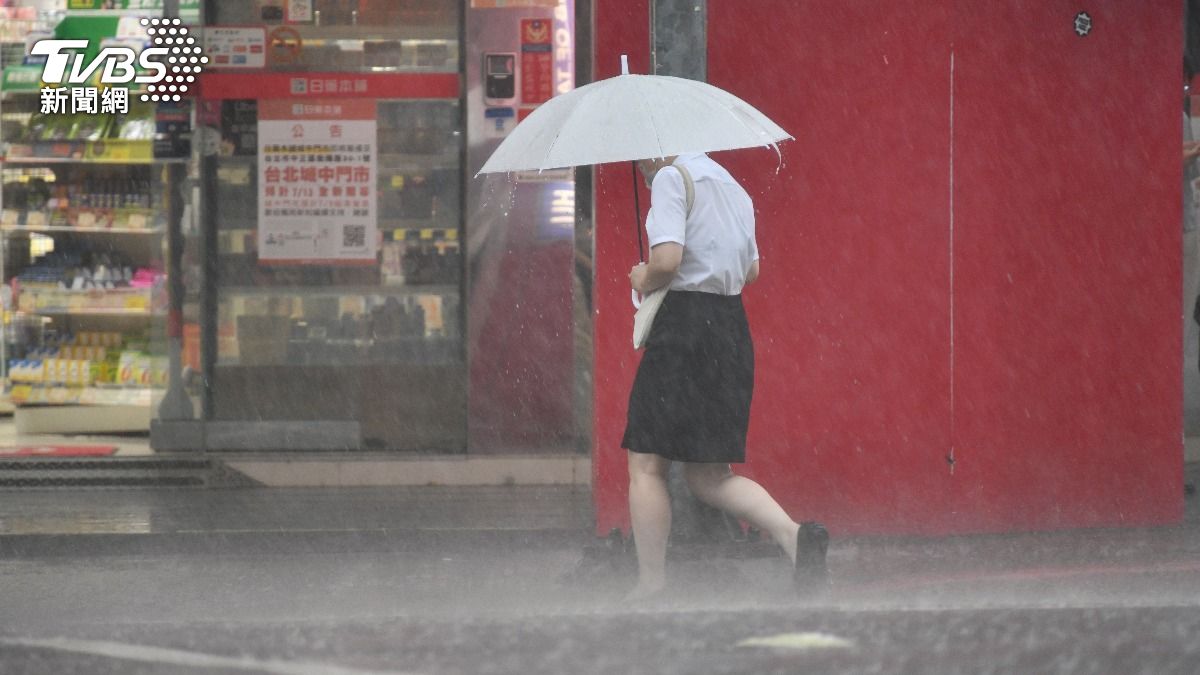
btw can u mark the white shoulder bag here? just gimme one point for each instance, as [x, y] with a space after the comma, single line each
[648, 306]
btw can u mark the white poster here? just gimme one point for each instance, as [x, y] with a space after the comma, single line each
[316, 182]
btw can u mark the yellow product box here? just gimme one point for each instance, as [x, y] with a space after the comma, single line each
[159, 371]
[101, 372]
[142, 370]
[20, 393]
[125, 374]
[137, 302]
[135, 370]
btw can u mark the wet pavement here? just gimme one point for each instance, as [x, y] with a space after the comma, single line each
[469, 596]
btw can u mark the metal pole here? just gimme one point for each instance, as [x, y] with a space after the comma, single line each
[637, 214]
[176, 404]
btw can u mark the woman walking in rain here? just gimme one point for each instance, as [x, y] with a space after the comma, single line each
[691, 397]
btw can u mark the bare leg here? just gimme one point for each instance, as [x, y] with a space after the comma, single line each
[650, 511]
[742, 498]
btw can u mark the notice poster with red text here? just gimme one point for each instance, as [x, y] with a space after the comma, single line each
[316, 182]
[537, 61]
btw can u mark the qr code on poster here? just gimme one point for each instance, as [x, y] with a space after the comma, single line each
[354, 236]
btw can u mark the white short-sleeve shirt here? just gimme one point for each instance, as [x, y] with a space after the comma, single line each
[717, 238]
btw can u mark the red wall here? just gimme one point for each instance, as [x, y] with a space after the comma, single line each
[621, 27]
[1034, 332]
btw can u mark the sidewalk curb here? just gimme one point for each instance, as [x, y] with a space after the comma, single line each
[286, 542]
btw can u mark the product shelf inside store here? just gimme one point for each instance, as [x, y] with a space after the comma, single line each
[241, 241]
[100, 312]
[54, 394]
[82, 247]
[404, 351]
[335, 291]
[414, 162]
[82, 220]
[16, 230]
[409, 229]
[115, 301]
[92, 152]
[345, 33]
[188, 16]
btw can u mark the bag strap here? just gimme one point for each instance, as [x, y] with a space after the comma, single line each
[689, 187]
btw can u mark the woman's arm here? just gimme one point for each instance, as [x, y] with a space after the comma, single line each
[752, 275]
[665, 259]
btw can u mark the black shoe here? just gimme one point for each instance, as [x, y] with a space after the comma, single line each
[812, 542]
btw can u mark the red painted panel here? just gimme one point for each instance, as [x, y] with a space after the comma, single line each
[852, 319]
[620, 28]
[1068, 240]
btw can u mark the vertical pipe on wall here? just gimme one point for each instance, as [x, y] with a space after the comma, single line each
[585, 248]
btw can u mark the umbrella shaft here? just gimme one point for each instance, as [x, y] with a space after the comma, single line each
[637, 213]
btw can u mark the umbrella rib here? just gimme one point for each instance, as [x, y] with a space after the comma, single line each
[650, 116]
[558, 134]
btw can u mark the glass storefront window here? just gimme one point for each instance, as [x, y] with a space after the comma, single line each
[352, 36]
[337, 220]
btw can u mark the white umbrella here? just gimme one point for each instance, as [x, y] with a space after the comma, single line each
[632, 117]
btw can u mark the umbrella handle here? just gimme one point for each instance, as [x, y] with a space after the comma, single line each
[637, 300]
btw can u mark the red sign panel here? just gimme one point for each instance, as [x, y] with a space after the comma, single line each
[323, 85]
[537, 61]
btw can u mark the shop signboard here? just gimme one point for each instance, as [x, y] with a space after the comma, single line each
[316, 182]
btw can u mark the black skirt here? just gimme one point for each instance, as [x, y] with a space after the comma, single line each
[691, 396]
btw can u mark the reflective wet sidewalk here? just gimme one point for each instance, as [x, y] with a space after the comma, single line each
[54, 522]
[1157, 562]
